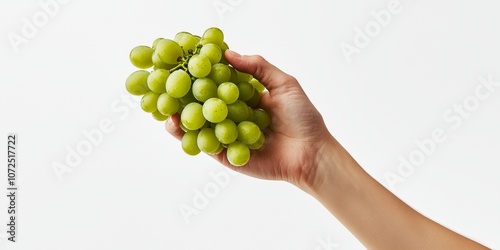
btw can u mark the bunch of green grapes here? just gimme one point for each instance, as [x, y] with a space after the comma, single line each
[217, 104]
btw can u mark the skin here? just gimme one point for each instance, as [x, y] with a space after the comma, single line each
[299, 149]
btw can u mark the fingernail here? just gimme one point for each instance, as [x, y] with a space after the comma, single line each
[233, 53]
[170, 122]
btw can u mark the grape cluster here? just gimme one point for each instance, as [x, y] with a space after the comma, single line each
[217, 104]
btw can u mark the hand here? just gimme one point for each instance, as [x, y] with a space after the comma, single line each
[296, 133]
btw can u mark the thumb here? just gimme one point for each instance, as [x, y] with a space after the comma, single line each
[260, 68]
[172, 126]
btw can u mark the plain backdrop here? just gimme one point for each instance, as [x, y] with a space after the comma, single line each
[63, 66]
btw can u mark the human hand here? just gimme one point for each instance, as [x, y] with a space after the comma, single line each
[295, 136]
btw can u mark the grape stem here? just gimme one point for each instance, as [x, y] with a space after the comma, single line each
[184, 60]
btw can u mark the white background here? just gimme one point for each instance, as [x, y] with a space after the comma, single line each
[69, 76]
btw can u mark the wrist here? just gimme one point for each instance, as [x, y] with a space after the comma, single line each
[326, 160]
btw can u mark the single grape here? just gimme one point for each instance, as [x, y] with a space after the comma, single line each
[234, 75]
[141, 56]
[207, 141]
[169, 51]
[246, 91]
[157, 80]
[192, 116]
[261, 118]
[181, 126]
[178, 83]
[220, 73]
[204, 89]
[199, 66]
[224, 47]
[215, 110]
[226, 131]
[257, 85]
[189, 142]
[243, 77]
[155, 42]
[158, 63]
[238, 154]
[148, 101]
[212, 35]
[167, 105]
[228, 92]
[159, 116]
[219, 150]
[212, 52]
[187, 41]
[187, 99]
[250, 114]
[137, 82]
[254, 100]
[237, 111]
[259, 143]
[248, 132]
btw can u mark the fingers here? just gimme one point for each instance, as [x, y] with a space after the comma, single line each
[172, 126]
[260, 68]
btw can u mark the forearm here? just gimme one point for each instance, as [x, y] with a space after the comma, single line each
[373, 214]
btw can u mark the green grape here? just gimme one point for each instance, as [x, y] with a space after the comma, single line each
[187, 99]
[204, 89]
[224, 46]
[148, 101]
[237, 111]
[178, 83]
[250, 114]
[158, 63]
[261, 118]
[192, 116]
[246, 91]
[248, 132]
[207, 141]
[187, 41]
[212, 52]
[234, 75]
[212, 35]
[159, 116]
[254, 101]
[243, 77]
[155, 42]
[220, 73]
[189, 142]
[199, 66]
[219, 150]
[238, 154]
[141, 56]
[167, 105]
[257, 85]
[181, 126]
[228, 92]
[169, 51]
[226, 131]
[157, 80]
[215, 110]
[137, 82]
[260, 142]
[208, 125]
[181, 107]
